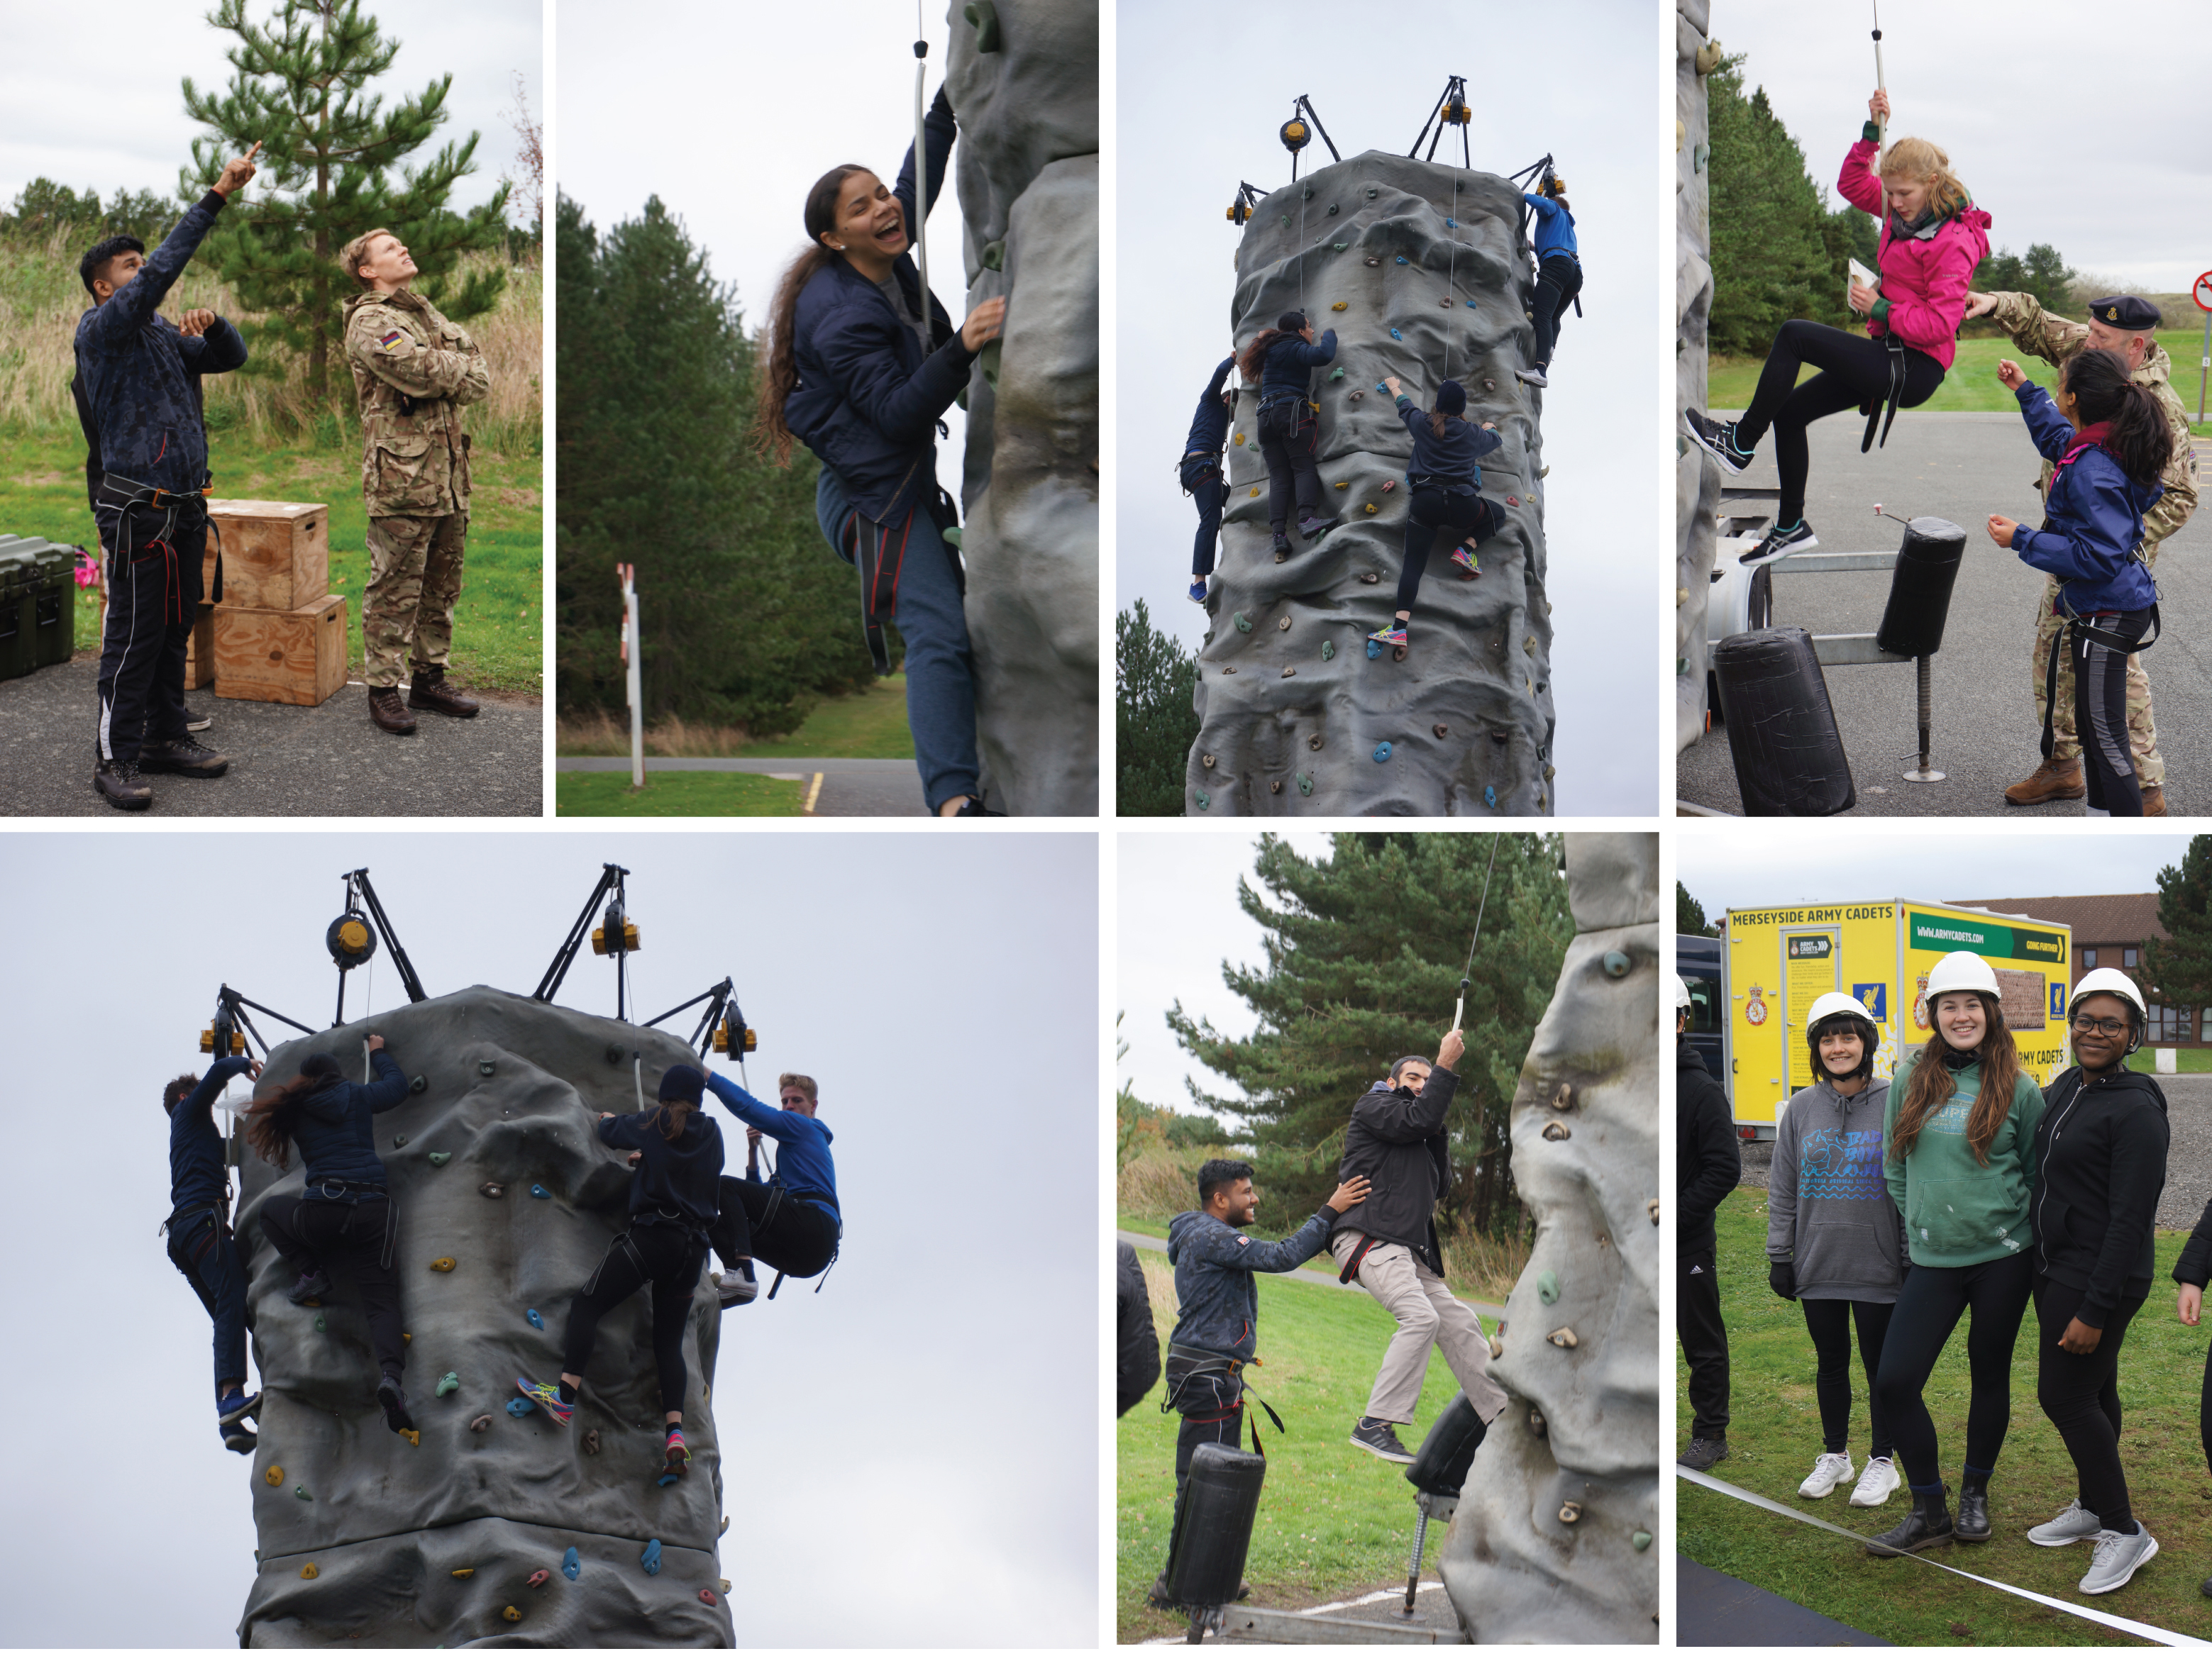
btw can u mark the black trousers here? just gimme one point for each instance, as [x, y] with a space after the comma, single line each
[153, 559]
[1288, 438]
[1704, 1343]
[347, 1240]
[2081, 1395]
[1928, 1309]
[1853, 369]
[207, 1257]
[1559, 279]
[2100, 713]
[1201, 476]
[1213, 1408]
[668, 1258]
[1829, 1321]
[1466, 514]
[769, 1226]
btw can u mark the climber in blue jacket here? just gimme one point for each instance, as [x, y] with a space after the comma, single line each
[1558, 272]
[1200, 471]
[1445, 481]
[1282, 360]
[201, 1244]
[790, 1222]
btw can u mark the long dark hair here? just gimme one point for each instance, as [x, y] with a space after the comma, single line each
[2140, 440]
[272, 1119]
[770, 436]
[1437, 420]
[671, 1116]
[1931, 1084]
[1250, 360]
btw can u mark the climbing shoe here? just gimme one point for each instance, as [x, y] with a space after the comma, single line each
[1392, 634]
[186, 755]
[238, 1439]
[1534, 377]
[736, 1286]
[1380, 1438]
[119, 782]
[238, 1405]
[196, 721]
[313, 1284]
[1973, 1522]
[1718, 440]
[1795, 540]
[426, 689]
[675, 1459]
[1929, 1524]
[1198, 590]
[1463, 557]
[548, 1397]
[1311, 525]
[393, 1400]
[1281, 544]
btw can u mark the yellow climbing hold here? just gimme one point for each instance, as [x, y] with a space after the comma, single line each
[1344, 484]
[510, 1613]
[414, 1436]
[1371, 507]
[1339, 306]
[463, 1574]
[443, 1266]
[1240, 438]
[1255, 489]
[274, 1475]
[308, 1570]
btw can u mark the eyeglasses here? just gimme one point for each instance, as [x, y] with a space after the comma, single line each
[2109, 1025]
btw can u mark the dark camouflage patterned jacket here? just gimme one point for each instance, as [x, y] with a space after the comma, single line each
[413, 371]
[1218, 1302]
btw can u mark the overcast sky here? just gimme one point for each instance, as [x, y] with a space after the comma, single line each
[1582, 79]
[93, 95]
[2073, 126]
[922, 1487]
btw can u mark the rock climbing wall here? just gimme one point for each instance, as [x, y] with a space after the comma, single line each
[1697, 477]
[1023, 81]
[1421, 270]
[506, 1201]
[1552, 1542]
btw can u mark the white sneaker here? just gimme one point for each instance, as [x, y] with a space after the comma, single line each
[2117, 1557]
[1831, 1469]
[1876, 1483]
[2076, 1523]
[734, 1287]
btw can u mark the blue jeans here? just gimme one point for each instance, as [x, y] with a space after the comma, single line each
[940, 679]
[207, 1256]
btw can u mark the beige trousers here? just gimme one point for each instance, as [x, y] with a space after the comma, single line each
[1426, 1313]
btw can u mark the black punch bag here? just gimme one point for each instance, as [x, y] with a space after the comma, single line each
[1220, 1501]
[1447, 1450]
[1789, 759]
[1920, 588]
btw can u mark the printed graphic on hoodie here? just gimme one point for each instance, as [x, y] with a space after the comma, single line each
[1834, 1164]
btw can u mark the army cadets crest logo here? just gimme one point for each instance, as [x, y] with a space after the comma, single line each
[391, 342]
[2111, 314]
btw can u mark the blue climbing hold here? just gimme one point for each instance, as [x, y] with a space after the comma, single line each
[1328, 650]
[1374, 650]
[537, 1192]
[1382, 750]
[522, 1407]
[1204, 801]
[1402, 259]
[1452, 223]
[1394, 334]
[1490, 795]
[534, 1319]
[651, 1558]
[571, 1566]
[1470, 305]
[1380, 387]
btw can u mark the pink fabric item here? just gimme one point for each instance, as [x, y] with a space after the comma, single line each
[1924, 282]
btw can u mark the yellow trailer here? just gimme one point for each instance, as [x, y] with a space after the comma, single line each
[1775, 962]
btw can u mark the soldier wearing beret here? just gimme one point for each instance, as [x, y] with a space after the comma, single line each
[413, 371]
[2121, 323]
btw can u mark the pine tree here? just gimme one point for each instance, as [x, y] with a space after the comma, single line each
[1690, 916]
[1155, 723]
[2178, 969]
[1778, 253]
[1363, 961]
[328, 147]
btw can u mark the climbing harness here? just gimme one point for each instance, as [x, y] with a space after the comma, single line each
[1197, 1363]
[879, 550]
[2085, 631]
[351, 1195]
[117, 498]
[1874, 406]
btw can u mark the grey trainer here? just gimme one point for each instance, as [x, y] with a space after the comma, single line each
[2077, 1522]
[2117, 1557]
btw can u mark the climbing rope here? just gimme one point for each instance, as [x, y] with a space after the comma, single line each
[1451, 274]
[922, 180]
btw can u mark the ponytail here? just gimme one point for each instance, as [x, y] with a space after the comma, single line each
[2140, 440]
[1249, 361]
[272, 1120]
[772, 438]
[1437, 420]
[673, 1118]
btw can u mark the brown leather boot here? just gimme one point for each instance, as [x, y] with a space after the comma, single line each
[2153, 800]
[2054, 781]
[429, 691]
[387, 711]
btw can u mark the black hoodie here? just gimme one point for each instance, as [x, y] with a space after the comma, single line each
[2099, 1168]
[1708, 1163]
[1397, 1141]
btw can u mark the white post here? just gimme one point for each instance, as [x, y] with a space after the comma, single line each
[632, 652]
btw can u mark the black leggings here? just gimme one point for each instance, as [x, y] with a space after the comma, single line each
[1559, 279]
[2081, 1395]
[670, 1258]
[1427, 510]
[1288, 437]
[1927, 1311]
[1853, 369]
[1829, 1321]
[772, 1227]
[2100, 713]
[349, 1241]
[1201, 476]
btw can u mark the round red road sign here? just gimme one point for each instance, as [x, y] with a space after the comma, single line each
[2201, 293]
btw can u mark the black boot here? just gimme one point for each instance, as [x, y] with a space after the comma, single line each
[1929, 1524]
[1974, 1522]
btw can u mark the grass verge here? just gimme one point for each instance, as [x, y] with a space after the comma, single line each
[868, 725]
[677, 796]
[1774, 1437]
[2185, 1060]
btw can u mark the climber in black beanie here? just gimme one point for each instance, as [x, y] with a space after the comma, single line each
[1446, 480]
[1203, 481]
[1282, 360]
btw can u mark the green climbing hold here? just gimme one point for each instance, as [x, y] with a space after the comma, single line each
[951, 538]
[985, 16]
[1287, 222]
[449, 1384]
[1204, 801]
[1641, 1539]
[1243, 624]
[301, 1493]
[995, 255]
[1339, 247]
[989, 359]
[1547, 1286]
[1332, 209]
[1338, 374]
[401, 1142]
[1328, 650]
[960, 398]
[1616, 964]
[1305, 784]
[319, 1327]
[438, 1158]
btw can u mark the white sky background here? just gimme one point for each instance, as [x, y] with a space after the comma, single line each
[1729, 868]
[1203, 90]
[918, 1482]
[729, 114]
[94, 93]
[2080, 126]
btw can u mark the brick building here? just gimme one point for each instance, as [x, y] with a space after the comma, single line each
[2109, 932]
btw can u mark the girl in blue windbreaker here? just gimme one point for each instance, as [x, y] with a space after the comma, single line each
[2108, 441]
[1558, 272]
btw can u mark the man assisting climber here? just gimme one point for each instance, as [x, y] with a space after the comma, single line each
[791, 1221]
[1389, 1244]
[138, 375]
[201, 1244]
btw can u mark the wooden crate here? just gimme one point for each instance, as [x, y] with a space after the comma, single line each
[276, 555]
[270, 657]
[199, 651]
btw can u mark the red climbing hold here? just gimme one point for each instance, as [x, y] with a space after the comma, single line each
[1389, 484]
[707, 1595]
[1513, 501]
[541, 1577]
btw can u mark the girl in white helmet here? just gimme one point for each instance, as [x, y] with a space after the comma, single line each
[1834, 1240]
[2099, 1168]
[1960, 1160]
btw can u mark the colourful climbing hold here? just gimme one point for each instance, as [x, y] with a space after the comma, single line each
[995, 255]
[1205, 760]
[1274, 787]
[1389, 485]
[449, 1384]
[1371, 508]
[1283, 625]
[521, 1407]
[511, 1612]
[407, 1337]
[724, 1584]
[1641, 1539]
[1255, 489]
[1287, 672]
[1305, 784]
[1337, 373]
[1470, 305]
[1374, 260]
[1513, 501]
[571, 1566]
[1204, 801]
[1344, 484]
[1490, 795]
[443, 1266]
[537, 1192]
[540, 1577]
[273, 1475]
[1339, 306]
[1314, 743]
[1328, 650]
[319, 1327]
[1452, 223]
[1402, 260]
[463, 1574]
[1374, 650]
[1243, 624]
[1332, 214]
[1547, 1286]
[485, 1069]
[707, 1595]
[492, 1190]
[414, 1436]
[1240, 438]
[985, 16]
[1394, 334]
[1616, 964]
[438, 1158]
[398, 1142]
[1382, 750]
[1371, 576]
[651, 1557]
[534, 1319]
[299, 1492]
[482, 1422]
[1440, 729]
[592, 1442]
[308, 1570]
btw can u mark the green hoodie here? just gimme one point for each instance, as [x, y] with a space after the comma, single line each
[1958, 1212]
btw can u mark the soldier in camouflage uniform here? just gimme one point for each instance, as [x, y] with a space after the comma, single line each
[2121, 323]
[414, 371]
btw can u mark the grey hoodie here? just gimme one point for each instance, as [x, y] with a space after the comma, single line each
[1828, 1209]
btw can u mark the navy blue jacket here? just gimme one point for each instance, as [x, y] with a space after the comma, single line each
[2095, 514]
[674, 1176]
[1554, 228]
[1450, 460]
[196, 1167]
[337, 1132]
[1218, 1299]
[141, 376]
[868, 398]
[1209, 428]
[1290, 364]
[803, 1164]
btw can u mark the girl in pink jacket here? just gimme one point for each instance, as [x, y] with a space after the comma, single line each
[1932, 238]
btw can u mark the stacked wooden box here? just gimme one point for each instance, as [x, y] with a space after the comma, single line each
[278, 637]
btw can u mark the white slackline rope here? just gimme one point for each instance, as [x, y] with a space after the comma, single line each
[2120, 1622]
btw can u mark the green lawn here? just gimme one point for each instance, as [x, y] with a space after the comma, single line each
[2185, 1060]
[677, 796]
[497, 625]
[869, 725]
[1774, 1437]
[1332, 1520]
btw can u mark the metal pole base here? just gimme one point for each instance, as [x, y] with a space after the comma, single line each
[1925, 776]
